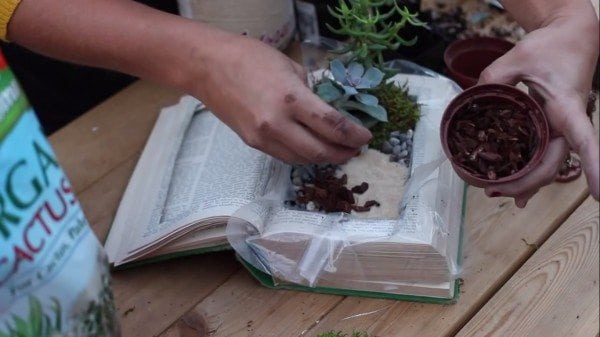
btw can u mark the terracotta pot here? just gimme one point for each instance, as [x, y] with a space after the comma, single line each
[498, 94]
[466, 59]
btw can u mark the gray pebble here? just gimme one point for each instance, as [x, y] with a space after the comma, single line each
[409, 142]
[409, 133]
[403, 154]
[393, 158]
[402, 137]
[394, 141]
[403, 146]
[387, 148]
[297, 181]
[395, 134]
[397, 150]
[310, 206]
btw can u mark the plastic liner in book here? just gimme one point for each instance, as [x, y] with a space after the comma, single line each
[379, 225]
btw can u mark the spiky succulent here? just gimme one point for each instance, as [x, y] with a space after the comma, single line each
[368, 28]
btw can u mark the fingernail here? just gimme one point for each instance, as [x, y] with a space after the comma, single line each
[521, 203]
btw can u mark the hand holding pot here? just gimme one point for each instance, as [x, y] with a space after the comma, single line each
[556, 60]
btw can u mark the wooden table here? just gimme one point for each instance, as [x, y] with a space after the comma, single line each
[531, 272]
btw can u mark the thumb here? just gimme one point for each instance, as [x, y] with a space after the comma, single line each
[505, 70]
[581, 135]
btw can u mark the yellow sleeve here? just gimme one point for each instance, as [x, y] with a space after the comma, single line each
[7, 8]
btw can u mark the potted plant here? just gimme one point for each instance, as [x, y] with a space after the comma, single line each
[359, 84]
[494, 133]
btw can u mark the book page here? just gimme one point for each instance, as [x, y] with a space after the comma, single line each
[215, 173]
[283, 220]
[148, 186]
[199, 170]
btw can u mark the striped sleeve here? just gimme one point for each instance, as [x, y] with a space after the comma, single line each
[7, 8]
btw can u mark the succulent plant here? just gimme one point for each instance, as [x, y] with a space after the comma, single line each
[369, 31]
[349, 91]
[359, 89]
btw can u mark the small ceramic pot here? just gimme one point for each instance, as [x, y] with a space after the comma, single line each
[466, 59]
[271, 21]
[499, 95]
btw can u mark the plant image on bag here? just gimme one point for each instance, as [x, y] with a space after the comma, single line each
[37, 323]
[97, 320]
[359, 84]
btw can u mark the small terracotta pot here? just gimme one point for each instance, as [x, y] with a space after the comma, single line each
[504, 95]
[466, 59]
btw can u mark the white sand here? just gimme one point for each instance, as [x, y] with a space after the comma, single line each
[386, 183]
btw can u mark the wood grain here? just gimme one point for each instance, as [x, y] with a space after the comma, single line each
[494, 250]
[241, 307]
[555, 293]
[101, 199]
[495, 246]
[151, 298]
[93, 144]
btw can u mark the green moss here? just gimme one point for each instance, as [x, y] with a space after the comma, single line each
[403, 112]
[341, 334]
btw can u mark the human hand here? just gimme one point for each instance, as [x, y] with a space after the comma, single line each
[263, 96]
[556, 62]
[256, 90]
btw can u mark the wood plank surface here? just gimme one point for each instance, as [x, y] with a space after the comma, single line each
[241, 307]
[95, 143]
[495, 247]
[100, 200]
[150, 298]
[555, 293]
[498, 239]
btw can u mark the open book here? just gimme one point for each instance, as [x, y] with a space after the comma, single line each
[197, 187]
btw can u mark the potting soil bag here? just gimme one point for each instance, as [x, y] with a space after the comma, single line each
[54, 278]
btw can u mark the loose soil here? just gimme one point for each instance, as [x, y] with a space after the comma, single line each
[492, 140]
